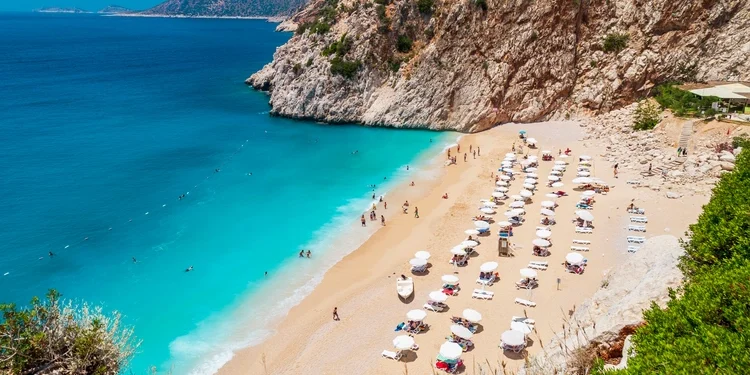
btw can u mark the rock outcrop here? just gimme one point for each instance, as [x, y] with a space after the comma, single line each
[471, 64]
[225, 8]
[631, 288]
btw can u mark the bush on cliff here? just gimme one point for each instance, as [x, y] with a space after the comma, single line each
[404, 43]
[684, 103]
[425, 6]
[339, 48]
[646, 116]
[53, 336]
[615, 42]
[482, 4]
[346, 69]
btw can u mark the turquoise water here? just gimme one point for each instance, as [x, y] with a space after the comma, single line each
[106, 121]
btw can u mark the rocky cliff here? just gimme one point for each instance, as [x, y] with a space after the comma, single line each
[226, 8]
[470, 64]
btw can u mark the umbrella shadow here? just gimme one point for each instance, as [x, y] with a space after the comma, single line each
[480, 329]
[515, 356]
[409, 356]
[420, 273]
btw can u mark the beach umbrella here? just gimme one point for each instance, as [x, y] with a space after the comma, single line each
[560, 162]
[505, 178]
[531, 141]
[472, 315]
[481, 224]
[526, 193]
[522, 132]
[504, 224]
[516, 197]
[509, 214]
[498, 194]
[585, 162]
[558, 168]
[501, 183]
[589, 193]
[582, 180]
[458, 250]
[584, 157]
[469, 243]
[532, 158]
[531, 175]
[528, 273]
[416, 315]
[555, 173]
[531, 169]
[508, 170]
[528, 186]
[422, 255]
[450, 351]
[547, 152]
[510, 155]
[471, 232]
[547, 212]
[548, 204]
[585, 215]
[584, 174]
[543, 233]
[530, 181]
[553, 178]
[513, 338]
[574, 258]
[403, 342]
[489, 204]
[518, 211]
[501, 189]
[450, 279]
[558, 184]
[488, 267]
[461, 331]
[520, 327]
[487, 210]
[416, 262]
[551, 195]
[540, 242]
[438, 296]
[517, 204]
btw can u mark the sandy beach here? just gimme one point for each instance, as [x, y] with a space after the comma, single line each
[362, 285]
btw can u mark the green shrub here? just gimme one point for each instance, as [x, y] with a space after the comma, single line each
[346, 69]
[425, 6]
[741, 141]
[320, 27]
[482, 4]
[309, 62]
[592, 63]
[340, 48]
[647, 115]
[62, 338]
[404, 43]
[615, 42]
[684, 103]
[394, 65]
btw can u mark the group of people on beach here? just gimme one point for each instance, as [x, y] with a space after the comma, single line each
[302, 253]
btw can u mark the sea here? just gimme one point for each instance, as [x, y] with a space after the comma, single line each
[131, 150]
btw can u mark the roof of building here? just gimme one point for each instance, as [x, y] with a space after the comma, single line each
[721, 89]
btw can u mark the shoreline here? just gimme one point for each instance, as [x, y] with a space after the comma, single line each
[361, 284]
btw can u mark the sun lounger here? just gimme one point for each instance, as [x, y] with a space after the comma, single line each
[638, 219]
[637, 228]
[543, 228]
[392, 355]
[432, 308]
[418, 268]
[637, 211]
[539, 263]
[537, 267]
[525, 302]
[489, 281]
[482, 294]
[634, 182]
[579, 248]
[584, 230]
[582, 242]
[635, 239]
[633, 249]
[524, 320]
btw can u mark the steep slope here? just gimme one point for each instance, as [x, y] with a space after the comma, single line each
[477, 63]
[226, 8]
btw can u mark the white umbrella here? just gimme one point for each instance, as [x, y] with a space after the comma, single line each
[528, 273]
[582, 180]
[416, 262]
[558, 184]
[589, 193]
[551, 195]
[509, 213]
[558, 168]
[508, 170]
[520, 327]
[461, 331]
[510, 155]
[553, 178]
[481, 224]
[438, 296]
[501, 189]
[450, 279]
[540, 242]
[487, 210]
[560, 162]
[546, 152]
[532, 175]
[526, 193]
[555, 173]
[458, 250]
[516, 197]
[504, 224]
[505, 178]
[512, 338]
[416, 315]
[506, 162]
[498, 194]
[489, 204]
[471, 232]
[422, 255]
[469, 243]
[574, 258]
[563, 156]
[585, 162]
[584, 174]
[543, 233]
[451, 350]
[501, 183]
[403, 342]
[517, 204]
[528, 186]
[530, 181]
[488, 267]
[548, 204]
[532, 158]
[547, 212]
[585, 215]
[584, 157]
[472, 315]
[518, 211]
[531, 141]
[531, 169]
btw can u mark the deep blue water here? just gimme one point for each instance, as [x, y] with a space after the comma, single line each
[106, 121]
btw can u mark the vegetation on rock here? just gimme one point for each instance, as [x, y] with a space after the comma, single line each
[615, 42]
[346, 69]
[339, 48]
[404, 43]
[647, 115]
[482, 4]
[684, 103]
[55, 336]
[425, 6]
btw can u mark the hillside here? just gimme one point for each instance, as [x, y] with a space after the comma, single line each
[61, 10]
[471, 64]
[226, 8]
[115, 9]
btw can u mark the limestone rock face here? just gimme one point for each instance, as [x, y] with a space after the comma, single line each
[520, 60]
[631, 287]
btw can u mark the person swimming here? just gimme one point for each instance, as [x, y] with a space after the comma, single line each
[135, 260]
[189, 269]
[51, 254]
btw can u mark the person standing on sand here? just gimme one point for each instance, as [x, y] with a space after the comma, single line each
[449, 153]
[649, 168]
[416, 212]
[385, 205]
[464, 157]
[479, 151]
[382, 220]
[470, 146]
[475, 154]
[616, 165]
[336, 314]
[362, 219]
[302, 253]
[458, 148]
[309, 253]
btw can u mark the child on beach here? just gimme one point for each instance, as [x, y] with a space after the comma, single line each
[362, 219]
[382, 220]
[416, 212]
